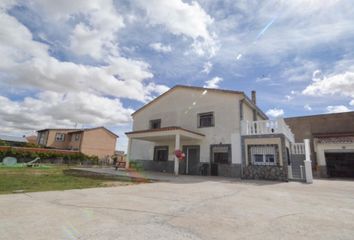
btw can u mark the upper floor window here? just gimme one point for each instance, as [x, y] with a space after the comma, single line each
[59, 137]
[77, 137]
[156, 123]
[206, 119]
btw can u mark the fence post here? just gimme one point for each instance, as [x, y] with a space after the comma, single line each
[307, 162]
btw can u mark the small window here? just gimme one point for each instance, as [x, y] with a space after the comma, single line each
[258, 158]
[156, 123]
[270, 158]
[206, 119]
[161, 153]
[60, 137]
[221, 154]
[77, 137]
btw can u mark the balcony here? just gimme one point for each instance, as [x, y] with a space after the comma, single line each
[265, 127]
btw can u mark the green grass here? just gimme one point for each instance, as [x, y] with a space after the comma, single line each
[44, 178]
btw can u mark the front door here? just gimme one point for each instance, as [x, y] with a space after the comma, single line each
[192, 159]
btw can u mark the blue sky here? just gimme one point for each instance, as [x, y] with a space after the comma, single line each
[88, 63]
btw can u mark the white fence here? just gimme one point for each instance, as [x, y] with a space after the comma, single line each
[267, 127]
[298, 148]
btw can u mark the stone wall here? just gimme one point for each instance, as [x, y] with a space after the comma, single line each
[229, 170]
[157, 166]
[265, 172]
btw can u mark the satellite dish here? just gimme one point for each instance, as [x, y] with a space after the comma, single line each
[9, 161]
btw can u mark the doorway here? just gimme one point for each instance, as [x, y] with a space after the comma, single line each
[340, 164]
[192, 159]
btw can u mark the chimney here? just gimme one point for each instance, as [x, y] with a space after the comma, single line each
[254, 99]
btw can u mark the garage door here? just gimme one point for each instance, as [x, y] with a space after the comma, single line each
[340, 164]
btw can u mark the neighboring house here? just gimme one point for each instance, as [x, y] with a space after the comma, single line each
[32, 139]
[222, 132]
[13, 140]
[332, 141]
[120, 156]
[98, 141]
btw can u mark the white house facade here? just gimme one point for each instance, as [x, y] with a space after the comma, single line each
[220, 132]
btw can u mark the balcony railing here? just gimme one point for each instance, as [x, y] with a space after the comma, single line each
[267, 127]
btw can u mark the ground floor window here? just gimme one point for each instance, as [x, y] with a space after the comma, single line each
[221, 153]
[161, 153]
[263, 154]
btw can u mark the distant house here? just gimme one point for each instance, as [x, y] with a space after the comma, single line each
[332, 142]
[98, 141]
[32, 139]
[13, 140]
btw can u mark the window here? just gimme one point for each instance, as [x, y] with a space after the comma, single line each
[258, 158]
[270, 158]
[77, 137]
[156, 123]
[221, 154]
[206, 119]
[60, 137]
[161, 153]
[263, 154]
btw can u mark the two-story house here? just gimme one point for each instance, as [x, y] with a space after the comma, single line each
[219, 130]
[98, 141]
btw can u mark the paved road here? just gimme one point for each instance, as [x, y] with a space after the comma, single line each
[202, 209]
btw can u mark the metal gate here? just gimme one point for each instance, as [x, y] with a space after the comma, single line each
[296, 170]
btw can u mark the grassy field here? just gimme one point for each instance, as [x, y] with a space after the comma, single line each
[46, 179]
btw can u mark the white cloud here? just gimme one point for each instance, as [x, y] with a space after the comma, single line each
[68, 92]
[351, 103]
[337, 109]
[96, 35]
[159, 47]
[28, 65]
[207, 67]
[213, 83]
[182, 18]
[289, 98]
[342, 84]
[275, 112]
[308, 107]
[51, 109]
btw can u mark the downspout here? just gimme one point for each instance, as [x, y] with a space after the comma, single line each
[240, 123]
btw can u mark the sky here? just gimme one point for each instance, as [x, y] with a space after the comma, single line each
[87, 63]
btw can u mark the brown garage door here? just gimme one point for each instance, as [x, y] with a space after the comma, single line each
[340, 164]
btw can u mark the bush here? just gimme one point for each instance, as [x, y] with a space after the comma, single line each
[49, 156]
[3, 143]
[32, 145]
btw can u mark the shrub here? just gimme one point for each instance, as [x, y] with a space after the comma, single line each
[3, 143]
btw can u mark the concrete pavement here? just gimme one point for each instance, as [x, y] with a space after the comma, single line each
[209, 208]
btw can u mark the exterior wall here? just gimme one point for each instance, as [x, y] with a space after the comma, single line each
[75, 144]
[98, 142]
[247, 112]
[269, 172]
